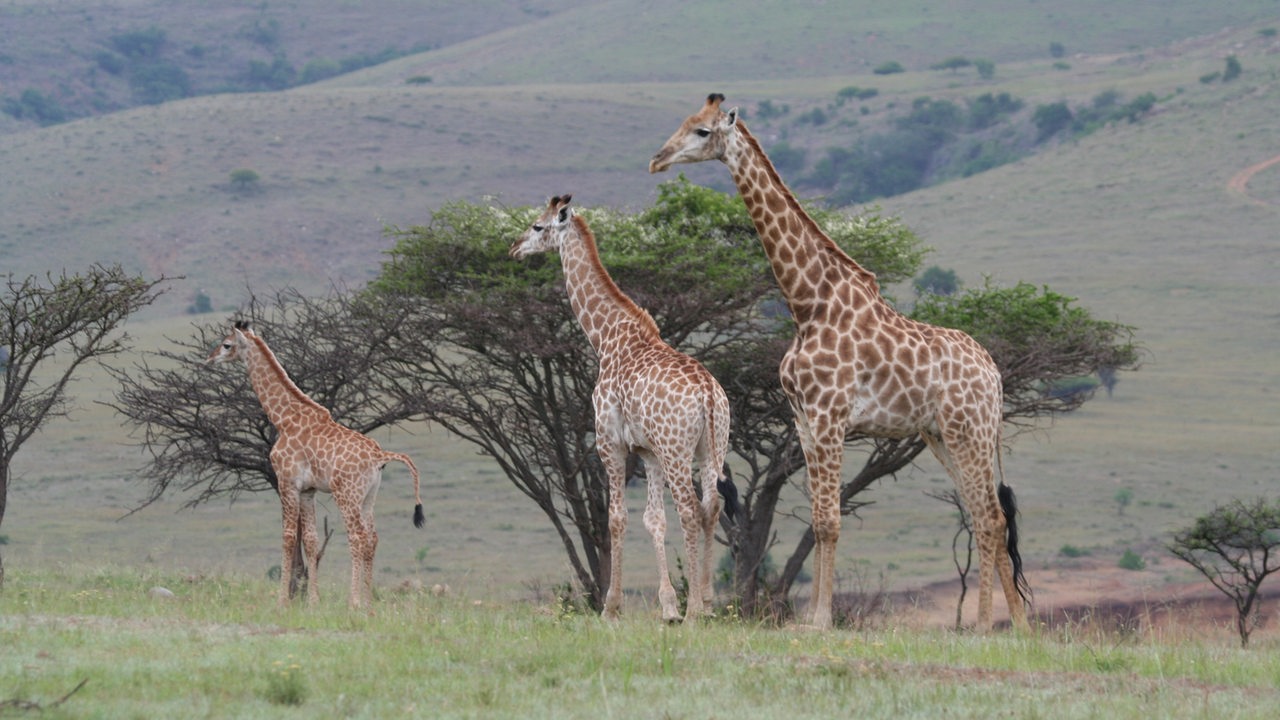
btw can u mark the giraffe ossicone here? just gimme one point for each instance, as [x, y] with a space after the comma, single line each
[856, 365]
[314, 453]
[649, 399]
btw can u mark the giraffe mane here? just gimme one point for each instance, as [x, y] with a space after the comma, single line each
[798, 210]
[639, 314]
[274, 366]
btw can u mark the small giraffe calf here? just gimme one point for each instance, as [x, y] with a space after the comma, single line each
[313, 453]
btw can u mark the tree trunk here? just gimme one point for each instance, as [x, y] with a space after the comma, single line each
[4, 501]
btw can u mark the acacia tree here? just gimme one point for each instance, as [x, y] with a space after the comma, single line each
[202, 426]
[1236, 547]
[73, 317]
[497, 344]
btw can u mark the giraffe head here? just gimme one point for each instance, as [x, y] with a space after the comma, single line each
[232, 346]
[703, 135]
[546, 232]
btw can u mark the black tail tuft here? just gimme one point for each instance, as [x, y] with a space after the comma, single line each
[729, 491]
[1009, 505]
[419, 518]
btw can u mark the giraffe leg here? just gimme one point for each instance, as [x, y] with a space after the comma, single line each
[310, 544]
[371, 537]
[969, 463]
[613, 457]
[710, 517]
[1009, 562]
[289, 522]
[823, 456]
[655, 521]
[357, 537]
[679, 476]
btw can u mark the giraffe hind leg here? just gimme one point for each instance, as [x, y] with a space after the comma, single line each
[711, 504]
[655, 521]
[972, 471]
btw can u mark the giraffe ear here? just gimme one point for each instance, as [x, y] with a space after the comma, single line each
[732, 117]
[565, 213]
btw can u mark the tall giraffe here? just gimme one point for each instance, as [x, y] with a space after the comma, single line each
[858, 366]
[649, 398]
[313, 453]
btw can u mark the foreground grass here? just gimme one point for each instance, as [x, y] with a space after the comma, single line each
[220, 648]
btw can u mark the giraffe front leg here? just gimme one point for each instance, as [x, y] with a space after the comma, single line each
[613, 457]
[289, 520]
[823, 462]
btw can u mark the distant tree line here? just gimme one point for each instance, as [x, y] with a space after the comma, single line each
[936, 139]
[157, 72]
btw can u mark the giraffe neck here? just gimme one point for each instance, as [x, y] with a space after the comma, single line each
[800, 253]
[279, 396]
[606, 314]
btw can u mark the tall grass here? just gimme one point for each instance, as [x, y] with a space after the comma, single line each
[220, 648]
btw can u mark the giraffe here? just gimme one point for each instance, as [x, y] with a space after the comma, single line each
[857, 366]
[313, 453]
[649, 398]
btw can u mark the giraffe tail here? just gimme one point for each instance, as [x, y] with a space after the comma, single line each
[1009, 505]
[419, 518]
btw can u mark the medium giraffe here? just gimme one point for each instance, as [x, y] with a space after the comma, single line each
[650, 399]
[313, 453]
[857, 366]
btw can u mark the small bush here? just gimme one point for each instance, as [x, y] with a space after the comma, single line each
[1132, 561]
[1072, 551]
[787, 159]
[1233, 69]
[418, 80]
[110, 62]
[816, 116]
[952, 63]
[244, 180]
[889, 68]
[139, 44]
[766, 110]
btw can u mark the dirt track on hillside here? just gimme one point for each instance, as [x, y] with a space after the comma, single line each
[1240, 181]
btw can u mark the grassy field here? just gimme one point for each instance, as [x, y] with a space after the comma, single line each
[93, 641]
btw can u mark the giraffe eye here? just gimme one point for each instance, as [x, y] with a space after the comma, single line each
[703, 132]
[226, 346]
[538, 228]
